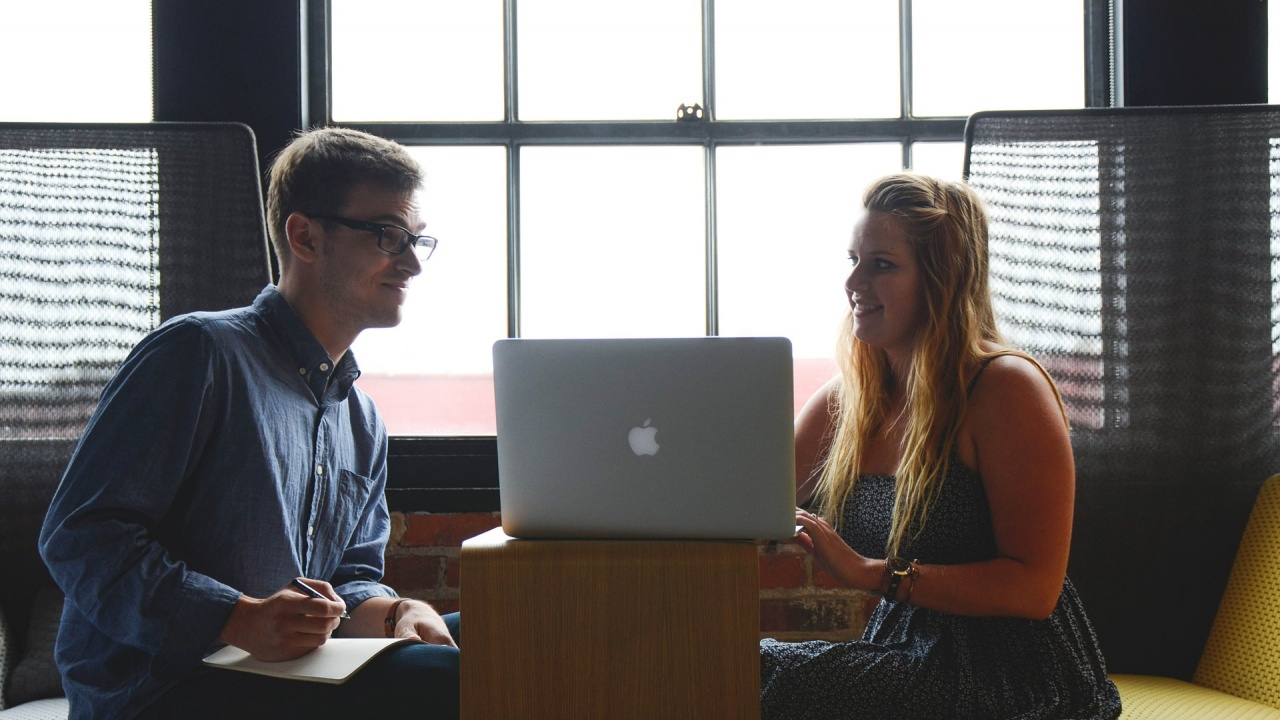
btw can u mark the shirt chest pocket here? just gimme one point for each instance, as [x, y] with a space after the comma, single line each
[344, 526]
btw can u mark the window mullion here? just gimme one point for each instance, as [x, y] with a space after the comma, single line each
[513, 240]
[709, 154]
[905, 70]
[709, 59]
[904, 55]
[665, 132]
[713, 265]
[317, 65]
[511, 102]
[511, 105]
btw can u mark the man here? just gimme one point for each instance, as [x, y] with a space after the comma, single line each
[231, 454]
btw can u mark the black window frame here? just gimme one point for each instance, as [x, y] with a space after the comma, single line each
[460, 474]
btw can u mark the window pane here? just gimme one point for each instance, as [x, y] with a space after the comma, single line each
[433, 374]
[591, 60]
[76, 61]
[417, 60]
[943, 160]
[809, 59]
[996, 55]
[784, 217]
[612, 242]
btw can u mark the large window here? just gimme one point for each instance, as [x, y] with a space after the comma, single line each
[571, 202]
[75, 61]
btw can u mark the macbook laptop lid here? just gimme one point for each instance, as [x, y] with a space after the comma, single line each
[646, 438]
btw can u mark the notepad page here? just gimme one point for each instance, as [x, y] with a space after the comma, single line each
[334, 662]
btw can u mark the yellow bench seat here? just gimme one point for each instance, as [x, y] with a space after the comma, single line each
[1239, 671]
[1146, 697]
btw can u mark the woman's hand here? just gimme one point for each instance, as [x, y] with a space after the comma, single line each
[835, 556]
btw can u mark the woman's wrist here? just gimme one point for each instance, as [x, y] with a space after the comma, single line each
[871, 577]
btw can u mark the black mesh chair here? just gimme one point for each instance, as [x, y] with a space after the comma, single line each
[1136, 252]
[105, 232]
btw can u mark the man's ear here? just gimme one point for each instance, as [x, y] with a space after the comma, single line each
[303, 236]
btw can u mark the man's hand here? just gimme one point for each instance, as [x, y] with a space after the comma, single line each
[285, 626]
[420, 620]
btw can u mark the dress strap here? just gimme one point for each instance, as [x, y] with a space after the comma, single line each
[985, 362]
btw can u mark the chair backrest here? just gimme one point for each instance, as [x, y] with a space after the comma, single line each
[1242, 656]
[105, 232]
[1134, 252]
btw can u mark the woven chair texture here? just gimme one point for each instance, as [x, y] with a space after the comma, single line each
[1135, 252]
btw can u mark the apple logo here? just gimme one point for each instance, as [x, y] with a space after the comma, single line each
[643, 440]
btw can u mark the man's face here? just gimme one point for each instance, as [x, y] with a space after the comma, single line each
[365, 286]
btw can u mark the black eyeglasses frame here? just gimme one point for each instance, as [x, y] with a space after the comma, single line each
[411, 239]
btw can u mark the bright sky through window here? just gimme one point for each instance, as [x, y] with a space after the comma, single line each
[75, 61]
[613, 237]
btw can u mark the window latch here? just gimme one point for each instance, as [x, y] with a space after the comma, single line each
[689, 113]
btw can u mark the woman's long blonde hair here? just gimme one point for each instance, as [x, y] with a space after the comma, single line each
[947, 226]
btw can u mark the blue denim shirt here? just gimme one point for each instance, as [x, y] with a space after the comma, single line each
[228, 455]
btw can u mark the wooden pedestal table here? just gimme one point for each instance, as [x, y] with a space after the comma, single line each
[613, 629]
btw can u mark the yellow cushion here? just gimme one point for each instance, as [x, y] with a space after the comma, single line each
[1242, 655]
[1146, 697]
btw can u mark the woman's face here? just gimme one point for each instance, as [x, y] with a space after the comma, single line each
[884, 287]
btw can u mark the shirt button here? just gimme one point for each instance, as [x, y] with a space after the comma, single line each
[319, 469]
[324, 367]
[311, 530]
[302, 371]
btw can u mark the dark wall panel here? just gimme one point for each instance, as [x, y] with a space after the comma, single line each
[235, 60]
[1193, 52]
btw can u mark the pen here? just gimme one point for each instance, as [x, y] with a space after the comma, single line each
[297, 582]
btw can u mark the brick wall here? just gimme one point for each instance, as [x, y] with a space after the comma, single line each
[798, 601]
[801, 601]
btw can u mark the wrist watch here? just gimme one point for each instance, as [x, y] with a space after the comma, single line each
[897, 568]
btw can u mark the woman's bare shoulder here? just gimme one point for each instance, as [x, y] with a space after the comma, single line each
[1012, 366]
[1011, 381]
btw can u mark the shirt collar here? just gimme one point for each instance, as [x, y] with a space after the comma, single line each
[306, 353]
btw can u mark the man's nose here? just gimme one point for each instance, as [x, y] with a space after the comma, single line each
[411, 262]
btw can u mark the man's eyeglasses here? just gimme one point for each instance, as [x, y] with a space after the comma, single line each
[391, 238]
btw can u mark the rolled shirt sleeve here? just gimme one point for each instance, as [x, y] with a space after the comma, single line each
[101, 535]
[228, 455]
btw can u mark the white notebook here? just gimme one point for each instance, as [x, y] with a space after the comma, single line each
[334, 662]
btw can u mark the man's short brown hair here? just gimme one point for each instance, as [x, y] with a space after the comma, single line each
[314, 173]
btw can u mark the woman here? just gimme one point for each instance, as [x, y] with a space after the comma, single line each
[941, 467]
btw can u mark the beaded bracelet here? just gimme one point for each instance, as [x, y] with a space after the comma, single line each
[912, 585]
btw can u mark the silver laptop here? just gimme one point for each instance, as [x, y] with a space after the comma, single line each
[646, 438]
